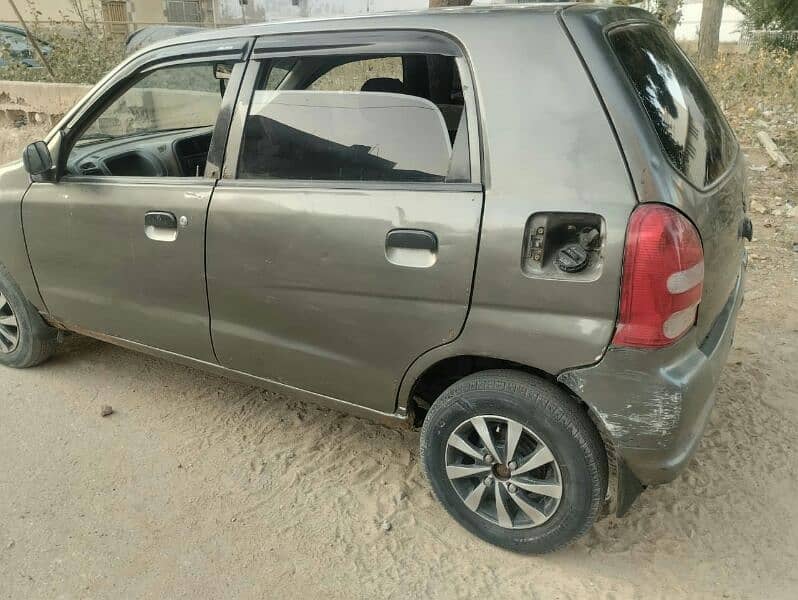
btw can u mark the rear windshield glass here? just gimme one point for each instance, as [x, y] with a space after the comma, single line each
[690, 126]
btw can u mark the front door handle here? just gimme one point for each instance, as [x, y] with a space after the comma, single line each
[160, 226]
[411, 248]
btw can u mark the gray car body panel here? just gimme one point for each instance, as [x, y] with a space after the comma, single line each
[654, 405]
[299, 277]
[98, 269]
[14, 182]
[716, 211]
[556, 132]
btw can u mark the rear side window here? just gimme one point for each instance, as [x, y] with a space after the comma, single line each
[693, 132]
[357, 118]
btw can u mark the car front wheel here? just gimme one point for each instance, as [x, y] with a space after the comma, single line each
[515, 460]
[25, 339]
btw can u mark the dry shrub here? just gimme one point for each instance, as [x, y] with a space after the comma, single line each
[758, 91]
[79, 55]
[81, 52]
[769, 75]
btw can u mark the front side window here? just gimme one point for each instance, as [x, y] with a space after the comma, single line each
[179, 97]
[357, 118]
[159, 126]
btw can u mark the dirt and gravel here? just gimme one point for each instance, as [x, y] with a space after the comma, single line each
[197, 487]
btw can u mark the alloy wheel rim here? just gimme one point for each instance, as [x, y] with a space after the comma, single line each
[9, 328]
[503, 472]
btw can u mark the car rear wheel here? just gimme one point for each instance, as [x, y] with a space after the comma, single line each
[25, 339]
[515, 461]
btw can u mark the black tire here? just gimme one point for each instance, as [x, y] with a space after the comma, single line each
[556, 419]
[36, 340]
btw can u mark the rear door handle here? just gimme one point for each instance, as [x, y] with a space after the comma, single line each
[160, 226]
[412, 239]
[411, 248]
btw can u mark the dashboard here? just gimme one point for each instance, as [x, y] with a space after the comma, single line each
[181, 153]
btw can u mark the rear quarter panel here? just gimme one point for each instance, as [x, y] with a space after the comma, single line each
[547, 146]
[717, 212]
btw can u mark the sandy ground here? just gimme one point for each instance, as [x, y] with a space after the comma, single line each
[201, 488]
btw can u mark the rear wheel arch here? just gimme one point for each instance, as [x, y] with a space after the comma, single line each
[436, 377]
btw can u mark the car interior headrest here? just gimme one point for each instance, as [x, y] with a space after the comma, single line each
[383, 84]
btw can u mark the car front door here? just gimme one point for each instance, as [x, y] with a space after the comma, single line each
[117, 242]
[343, 234]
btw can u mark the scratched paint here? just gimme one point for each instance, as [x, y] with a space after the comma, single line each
[647, 421]
[648, 418]
[655, 414]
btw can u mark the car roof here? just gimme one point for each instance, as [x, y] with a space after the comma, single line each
[434, 17]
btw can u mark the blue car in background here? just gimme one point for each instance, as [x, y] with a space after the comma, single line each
[20, 50]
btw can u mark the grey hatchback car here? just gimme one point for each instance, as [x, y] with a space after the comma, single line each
[519, 228]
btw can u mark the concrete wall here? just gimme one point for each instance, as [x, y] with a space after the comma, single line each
[147, 11]
[154, 11]
[23, 102]
[158, 108]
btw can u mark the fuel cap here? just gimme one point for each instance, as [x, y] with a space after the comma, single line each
[572, 258]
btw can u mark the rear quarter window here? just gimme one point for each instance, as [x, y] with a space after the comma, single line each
[691, 127]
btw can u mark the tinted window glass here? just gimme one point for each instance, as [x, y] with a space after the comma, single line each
[350, 118]
[690, 126]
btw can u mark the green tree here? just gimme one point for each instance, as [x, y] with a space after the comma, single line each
[769, 14]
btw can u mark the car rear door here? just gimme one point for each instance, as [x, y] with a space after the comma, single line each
[342, 237]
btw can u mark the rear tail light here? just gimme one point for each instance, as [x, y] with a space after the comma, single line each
[663, 277]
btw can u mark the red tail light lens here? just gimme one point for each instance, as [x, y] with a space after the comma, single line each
[663, 277]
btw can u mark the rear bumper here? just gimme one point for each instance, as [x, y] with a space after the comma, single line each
[654, 405]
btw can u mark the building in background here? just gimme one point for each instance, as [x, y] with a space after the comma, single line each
[267, 10]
